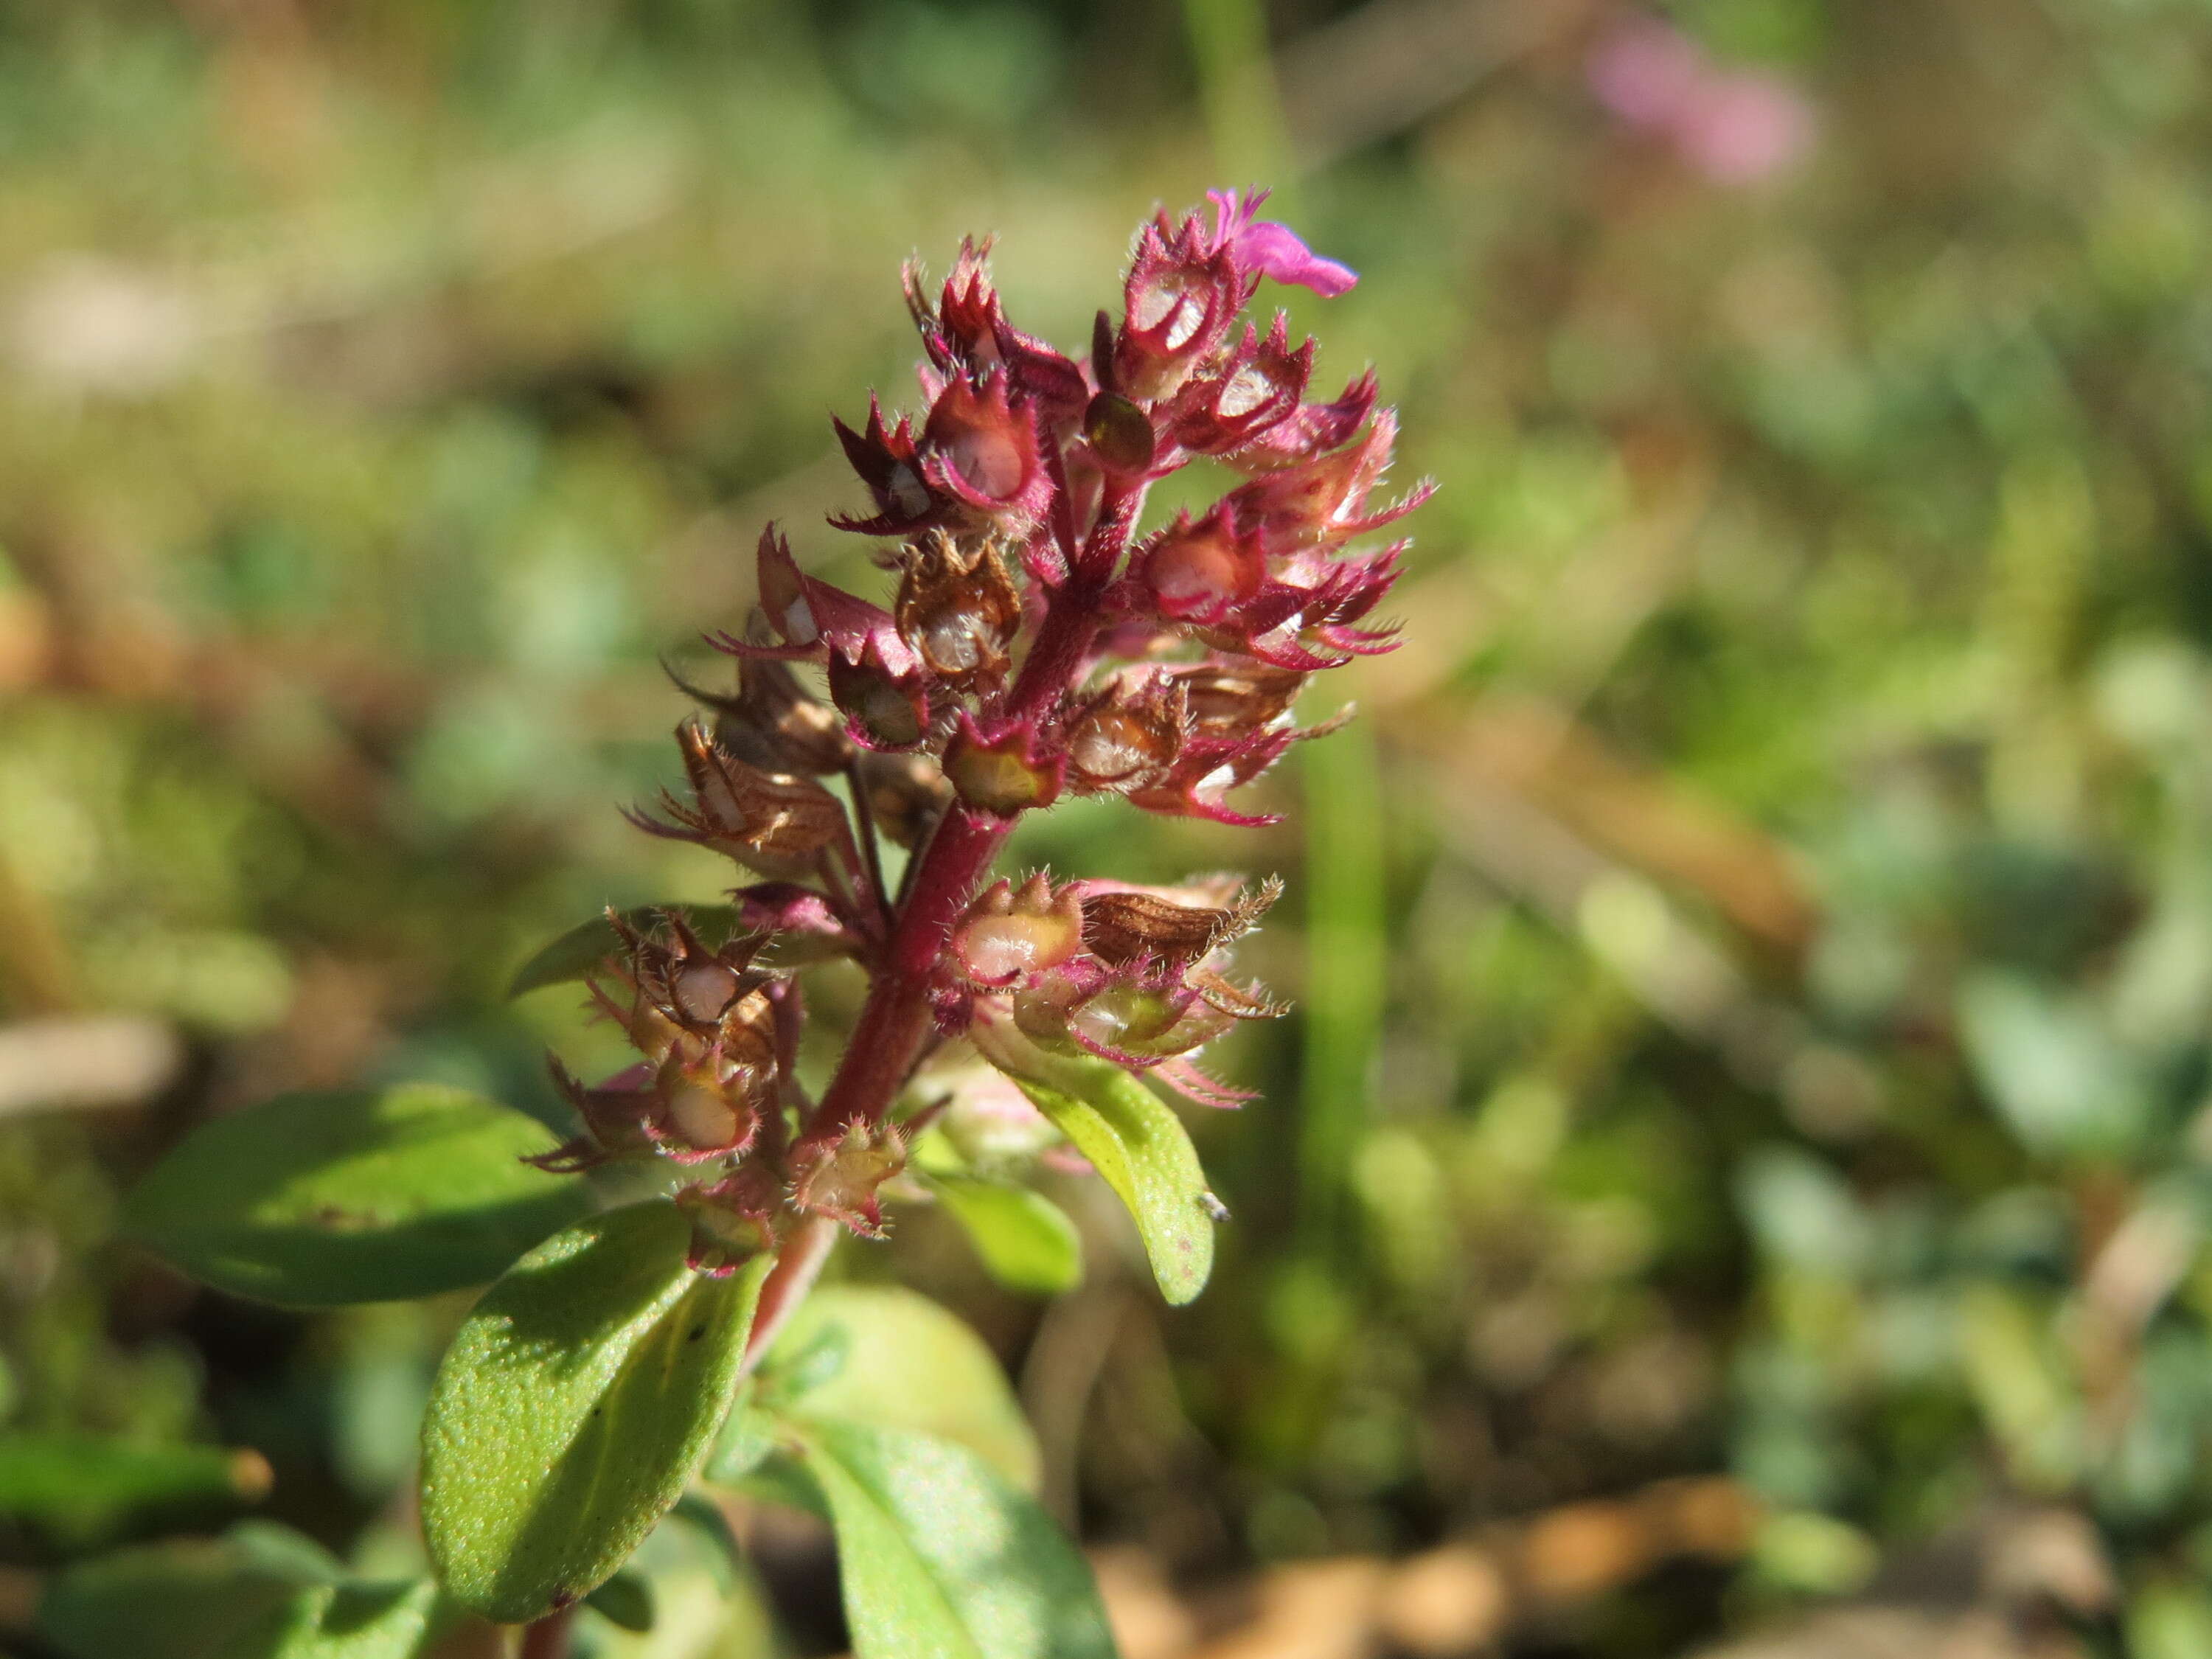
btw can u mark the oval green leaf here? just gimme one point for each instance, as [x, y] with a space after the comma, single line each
[257, 1594]
[575, 1405]
[354, 1196]
[1138, 1144]
[348, 1621]
[897, 1359]
[1024, 1240]
[939, 1558]
[582, 948]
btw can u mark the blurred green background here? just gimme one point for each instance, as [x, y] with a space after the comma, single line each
[1754, 955]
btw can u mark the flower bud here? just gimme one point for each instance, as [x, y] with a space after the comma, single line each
[1202, 572]
[1003, 775]
[840, 1179]
[1007, 936]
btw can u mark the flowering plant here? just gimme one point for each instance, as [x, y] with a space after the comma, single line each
[1037, 644]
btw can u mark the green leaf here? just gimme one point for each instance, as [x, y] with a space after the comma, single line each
[941, 1559]
[706, 1602]
[80, 1488]
[1138, 1146]
[347, 1621]
[357, 1195]
[908, 1363]
[583, 948]
[575, 1403]
[257, 1594]
[1026, 1241]
[625, 1600]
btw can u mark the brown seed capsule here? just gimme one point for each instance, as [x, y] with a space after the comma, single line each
[1128, 737]
[772, 822]
[957, 607]
[769, 721]
[1120, 928]
[1232, 700]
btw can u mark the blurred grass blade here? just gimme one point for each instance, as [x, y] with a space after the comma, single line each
[81, 1488]
[1346, 968]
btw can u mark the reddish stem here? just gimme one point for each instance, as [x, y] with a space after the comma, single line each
[797, 1265]
[548, 1637]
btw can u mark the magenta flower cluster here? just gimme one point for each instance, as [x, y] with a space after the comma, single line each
[1037, 643]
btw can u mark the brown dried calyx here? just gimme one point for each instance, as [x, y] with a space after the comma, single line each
[771, 722]
[776, 822]
[957, 607]
[1124, 926]
[1129, 736]
[908, 794]
[1235, 699]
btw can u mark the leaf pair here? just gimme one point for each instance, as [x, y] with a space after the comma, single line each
[887, 1416]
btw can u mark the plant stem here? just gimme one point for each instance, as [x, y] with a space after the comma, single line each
[548, 1637]
[797, 1265]
[946, 874]
[896, 1016]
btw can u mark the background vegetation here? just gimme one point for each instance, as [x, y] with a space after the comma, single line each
[1753, 954]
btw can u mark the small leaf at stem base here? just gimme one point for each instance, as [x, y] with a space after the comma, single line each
[575, 1404]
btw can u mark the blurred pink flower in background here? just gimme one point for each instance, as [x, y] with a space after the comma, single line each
[1735, 126]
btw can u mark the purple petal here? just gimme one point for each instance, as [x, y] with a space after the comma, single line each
[1273, 250]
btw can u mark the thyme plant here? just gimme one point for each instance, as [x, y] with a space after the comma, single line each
[1036, 645]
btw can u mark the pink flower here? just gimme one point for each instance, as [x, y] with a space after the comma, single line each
[1735, 127]
[1264, 248]
[1646, 72]
[1742, 128]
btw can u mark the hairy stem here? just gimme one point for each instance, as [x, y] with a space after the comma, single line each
[896, 1016]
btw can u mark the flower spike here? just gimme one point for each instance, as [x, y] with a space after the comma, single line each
[1042, 637]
